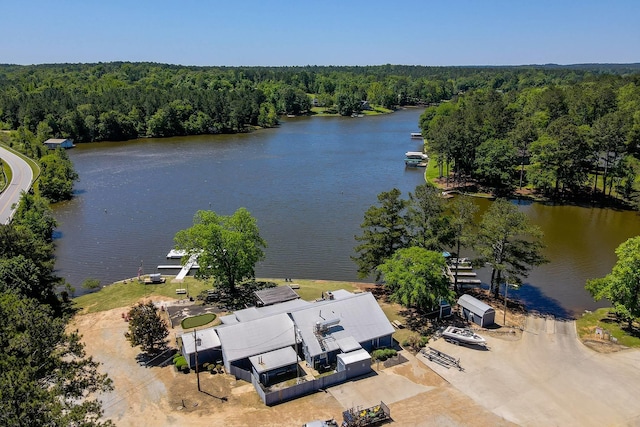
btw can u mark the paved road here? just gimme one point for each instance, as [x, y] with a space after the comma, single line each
[20, 181]
[548, 378]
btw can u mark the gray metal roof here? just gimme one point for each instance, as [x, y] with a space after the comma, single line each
[354, 356]
[253, 313]
[208, 339]
[359, 317]
[245, 339]
[228, 319]
[474, 305]
[340, 293]
[348, 344]
[276, 295]
[274, 359]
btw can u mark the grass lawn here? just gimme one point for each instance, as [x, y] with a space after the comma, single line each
[121, 294]
[586, 326]
[400, 335]
[197, 321]
[432, 171]
[312, 289]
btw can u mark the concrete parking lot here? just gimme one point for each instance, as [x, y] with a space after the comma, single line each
[547, 378]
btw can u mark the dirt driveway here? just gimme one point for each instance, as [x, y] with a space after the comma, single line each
[548, 378]
[160, 396]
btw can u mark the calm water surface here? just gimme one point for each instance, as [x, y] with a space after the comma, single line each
[308, 184]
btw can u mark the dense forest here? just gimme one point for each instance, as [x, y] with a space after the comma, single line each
[571, 139]
[45, 376]
[120, 100]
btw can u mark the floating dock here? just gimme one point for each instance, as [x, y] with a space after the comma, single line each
[192, 263]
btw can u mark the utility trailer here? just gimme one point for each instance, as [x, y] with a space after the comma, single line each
[374, 415]
[441, 358]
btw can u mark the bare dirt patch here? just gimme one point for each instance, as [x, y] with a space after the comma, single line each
[602, 346]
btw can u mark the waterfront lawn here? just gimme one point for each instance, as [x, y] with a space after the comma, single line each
[603, 318]
[121, 294]
[432, 172]
[127, 293]
[310, 290]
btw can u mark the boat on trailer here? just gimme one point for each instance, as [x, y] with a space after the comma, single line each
[457, 335]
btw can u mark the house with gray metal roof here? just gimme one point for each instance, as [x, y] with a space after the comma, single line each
[262, 345]
[330, 327]
[242, 340]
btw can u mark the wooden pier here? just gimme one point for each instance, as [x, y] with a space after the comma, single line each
[464, 273]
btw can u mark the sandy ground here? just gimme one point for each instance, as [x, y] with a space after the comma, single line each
[547, 377]
[160, 396]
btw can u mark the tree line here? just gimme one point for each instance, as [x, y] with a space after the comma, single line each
[45, 376]
[577, 138]
[122, 100]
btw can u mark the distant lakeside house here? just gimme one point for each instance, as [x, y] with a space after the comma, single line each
[265, 345]
[53, 143]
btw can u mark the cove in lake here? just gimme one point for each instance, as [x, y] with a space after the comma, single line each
[308, 184]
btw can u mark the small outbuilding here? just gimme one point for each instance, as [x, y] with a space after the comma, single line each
[271, 296]
[53, 143]
[476, 311]
[356, 363]
[205, 343]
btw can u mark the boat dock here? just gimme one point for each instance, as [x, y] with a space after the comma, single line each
[192, 263]
[464, 273]
[415, 159]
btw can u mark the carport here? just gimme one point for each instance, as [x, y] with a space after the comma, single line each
[474, 310]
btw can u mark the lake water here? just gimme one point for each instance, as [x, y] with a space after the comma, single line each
[308, 184]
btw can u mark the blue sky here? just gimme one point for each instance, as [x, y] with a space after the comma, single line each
[302, 32]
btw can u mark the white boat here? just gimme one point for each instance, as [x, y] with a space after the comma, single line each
[462, 335]
[416, 135]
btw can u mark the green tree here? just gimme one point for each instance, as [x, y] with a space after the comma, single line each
[383, 232]
[146, 328]
[415, 276]
[228, 247]
[57, 176]
[26, 265]
[622, 285]
[495, 163]
[428, 227]
[45, 377]
[509, 243]
[609, 136]
[35, 213]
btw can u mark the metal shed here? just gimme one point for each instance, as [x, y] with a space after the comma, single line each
[476, 311]
[356, 363]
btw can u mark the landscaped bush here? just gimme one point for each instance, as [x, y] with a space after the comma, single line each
[383, 354]
[180, 363]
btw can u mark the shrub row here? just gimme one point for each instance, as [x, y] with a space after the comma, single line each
[383, 354]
